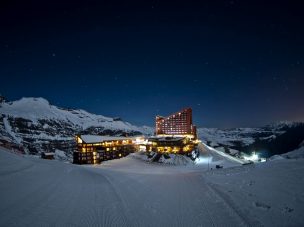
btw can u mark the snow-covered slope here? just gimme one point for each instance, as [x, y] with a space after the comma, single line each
[35, 109]
[298, 153]
[271, 139]
[245, 136]
[216, 137]
[132, 192]
[295, 154]
[35, 121]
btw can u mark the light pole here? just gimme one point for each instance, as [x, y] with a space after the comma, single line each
[209, 156]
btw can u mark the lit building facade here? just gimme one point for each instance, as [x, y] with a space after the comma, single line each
[179, 123]
[174, 134]
[171, 144]
[93, 149]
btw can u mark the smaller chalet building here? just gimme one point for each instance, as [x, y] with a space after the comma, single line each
[48, 155]
[92, 149]
[171, 144]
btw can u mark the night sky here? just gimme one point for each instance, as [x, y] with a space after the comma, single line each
[236, 63]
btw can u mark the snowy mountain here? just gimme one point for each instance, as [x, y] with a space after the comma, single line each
[269, 140]
[37, 125]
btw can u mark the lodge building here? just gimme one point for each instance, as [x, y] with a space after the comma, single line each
[174, 134]
[93, 149]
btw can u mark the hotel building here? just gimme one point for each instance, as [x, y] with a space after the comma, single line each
[179, 123]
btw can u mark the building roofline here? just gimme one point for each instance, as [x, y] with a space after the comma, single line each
[182, 110]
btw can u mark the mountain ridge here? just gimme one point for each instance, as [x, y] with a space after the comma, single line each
[272, 139]
[36, 125]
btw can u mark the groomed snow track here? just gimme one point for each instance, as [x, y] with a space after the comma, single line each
[125, 192]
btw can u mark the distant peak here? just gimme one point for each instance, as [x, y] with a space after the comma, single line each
[33, 99]
[281, 124]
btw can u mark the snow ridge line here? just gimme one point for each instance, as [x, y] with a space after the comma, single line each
[9, 130]
[224, 154]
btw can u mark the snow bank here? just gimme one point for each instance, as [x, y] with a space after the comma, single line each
[170, 159]
[275, 157]
[298, 153]
[175, 159]
[295, 154]
[60, 155]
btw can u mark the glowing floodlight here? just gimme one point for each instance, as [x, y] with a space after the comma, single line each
[254, 157]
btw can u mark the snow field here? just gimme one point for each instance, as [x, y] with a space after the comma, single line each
[133, 192]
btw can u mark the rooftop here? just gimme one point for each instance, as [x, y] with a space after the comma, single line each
[98, 139]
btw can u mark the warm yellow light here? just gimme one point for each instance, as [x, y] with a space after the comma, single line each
[175, 149]
[197, 141]
[186, 148]
[79, 140]
[160, 149]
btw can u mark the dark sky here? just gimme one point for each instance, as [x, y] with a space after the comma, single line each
[236, 63]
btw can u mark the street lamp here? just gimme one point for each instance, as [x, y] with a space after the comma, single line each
[209, 157]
